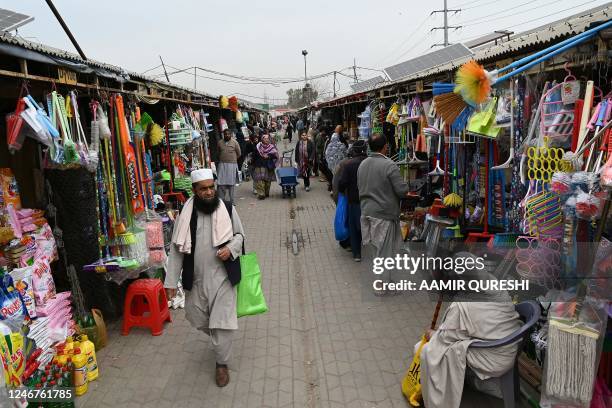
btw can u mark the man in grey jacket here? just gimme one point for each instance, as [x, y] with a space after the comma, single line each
[381, 187]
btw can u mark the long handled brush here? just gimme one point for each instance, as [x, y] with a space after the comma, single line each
[474, 82]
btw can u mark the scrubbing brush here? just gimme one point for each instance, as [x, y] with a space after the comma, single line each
[155, 134]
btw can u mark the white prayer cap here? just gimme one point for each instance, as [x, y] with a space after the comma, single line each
[201, 175]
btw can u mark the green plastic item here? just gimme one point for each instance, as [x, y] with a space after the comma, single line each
[128, 263]
[165, 175]
[250, 300]
[483, 123]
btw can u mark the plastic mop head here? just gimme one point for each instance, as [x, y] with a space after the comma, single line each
[473, 82]
[453, 200]
[156, 134]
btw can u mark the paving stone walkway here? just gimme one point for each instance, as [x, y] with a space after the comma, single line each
[320, 345]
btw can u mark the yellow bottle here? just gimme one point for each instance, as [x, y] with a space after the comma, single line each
[80, 372]
[69, 346]
[88, 348]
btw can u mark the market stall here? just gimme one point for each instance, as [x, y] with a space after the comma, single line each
[93, 171]
[512, 161]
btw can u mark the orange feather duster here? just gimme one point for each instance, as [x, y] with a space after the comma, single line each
[472, 82]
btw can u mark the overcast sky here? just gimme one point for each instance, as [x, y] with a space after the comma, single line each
[265, 38]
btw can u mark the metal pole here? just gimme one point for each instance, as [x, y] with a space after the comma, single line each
[164, 66]
[66, 29]
[305, 76]
[355, 70]
[195, 78]
[334, 84]
[445, 24]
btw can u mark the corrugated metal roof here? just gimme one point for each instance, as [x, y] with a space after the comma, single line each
[574, 24]
[8, 38]
[547, 33]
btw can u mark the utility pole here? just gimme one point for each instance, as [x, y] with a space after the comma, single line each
[195, 78]
[164, 67]
[446, 10]
[60, 20]
[334, 84]
[355, 70]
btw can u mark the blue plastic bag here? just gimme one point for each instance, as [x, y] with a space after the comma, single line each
[341, 220]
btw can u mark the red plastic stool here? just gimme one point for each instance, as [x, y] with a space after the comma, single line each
[145, 306]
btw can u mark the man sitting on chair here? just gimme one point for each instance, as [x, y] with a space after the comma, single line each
[469, 318]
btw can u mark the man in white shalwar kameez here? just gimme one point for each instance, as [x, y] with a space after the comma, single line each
[210, 304]
[487, 316]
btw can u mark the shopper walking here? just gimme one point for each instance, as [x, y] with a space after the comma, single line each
[206, 235]
[348, 185]
[320, 140]
[251, 146]
[381, 187]
[335, 152]
[300, 126]
[227, 166]
[265, 158]
[304, 158]
[289, 132]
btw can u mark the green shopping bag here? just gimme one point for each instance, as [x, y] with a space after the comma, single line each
[250, 298]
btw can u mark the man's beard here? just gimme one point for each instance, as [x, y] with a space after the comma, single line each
[207, 206]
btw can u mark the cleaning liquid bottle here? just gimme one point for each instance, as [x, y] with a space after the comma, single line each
[69, 346]
[88, 348]
[80, 372]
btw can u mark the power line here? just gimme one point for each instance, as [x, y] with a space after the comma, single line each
[468, 3]
[258, 97]
[481, 5]
[532, 20]
[410, 37]
[151, 69]
[419, 42]
[485, 17]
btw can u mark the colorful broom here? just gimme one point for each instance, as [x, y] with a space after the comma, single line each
[474, 82]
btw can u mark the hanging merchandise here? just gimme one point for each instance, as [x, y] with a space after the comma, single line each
[223, 124]
[453, 199]
[233, 103]
[239, 118]
[449, 106]
[474, 82]
[37, 119]
[557, 118]
[364, 124]
[483, 123]
[393, 115]
[133, 185]
[223, 102]
[14, 127]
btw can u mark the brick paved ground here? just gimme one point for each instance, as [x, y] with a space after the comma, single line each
[320, 345]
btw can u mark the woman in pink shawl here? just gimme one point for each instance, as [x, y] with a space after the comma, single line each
[265, 158]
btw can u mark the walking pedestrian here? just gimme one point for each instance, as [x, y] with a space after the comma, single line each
[335, 152]
[320, 139]
[227, 166]
[300, 126]
[348, 185]
[289, 132]
[206, 235]
[265, 158]
[250, 148]
[381, 187]
[304, 157]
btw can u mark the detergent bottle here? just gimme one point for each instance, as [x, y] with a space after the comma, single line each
[79, 360]
[88, 348]
[69, 346]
